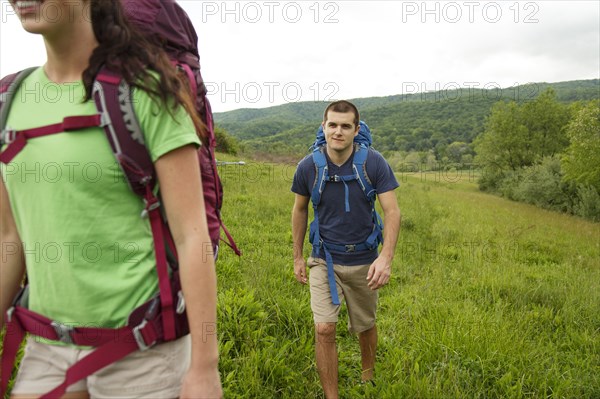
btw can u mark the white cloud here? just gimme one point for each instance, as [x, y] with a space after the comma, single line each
[262, 53]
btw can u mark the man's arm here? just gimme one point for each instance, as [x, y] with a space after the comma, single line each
[12, 262]
[299, 224]
[381, 269]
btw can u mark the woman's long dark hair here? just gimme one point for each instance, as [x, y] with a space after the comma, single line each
[125, 50]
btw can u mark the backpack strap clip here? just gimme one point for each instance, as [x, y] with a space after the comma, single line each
[105, 119]
[150, 205]
[63, 332]
[9, 314]
[139, 337]
[7, 136]
[146, 331]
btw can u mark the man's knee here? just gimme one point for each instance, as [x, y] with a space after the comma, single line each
[325, 332]
[368, 331]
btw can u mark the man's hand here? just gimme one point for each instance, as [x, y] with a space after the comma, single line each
[300, 271]
[381, 269]
[379, 273]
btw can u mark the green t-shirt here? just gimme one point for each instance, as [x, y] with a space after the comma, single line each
[89, 254]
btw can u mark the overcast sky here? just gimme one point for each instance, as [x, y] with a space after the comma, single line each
[256, 54]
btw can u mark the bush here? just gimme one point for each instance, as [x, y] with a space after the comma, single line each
[544, 185]
[588, 205]
[492, 176]
[541, 185]
[225, 142]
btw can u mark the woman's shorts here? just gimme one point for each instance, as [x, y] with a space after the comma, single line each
[155, 373]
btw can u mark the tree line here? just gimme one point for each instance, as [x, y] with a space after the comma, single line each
[544, 153]
[528, 144]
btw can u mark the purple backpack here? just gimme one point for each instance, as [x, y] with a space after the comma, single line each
[166, 20]
[163, 317]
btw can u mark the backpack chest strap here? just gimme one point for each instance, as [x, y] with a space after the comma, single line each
[16, 140]
[338, 178]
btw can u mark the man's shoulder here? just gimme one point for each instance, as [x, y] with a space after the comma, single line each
[306, 162]
[305, 171]
[375, 156]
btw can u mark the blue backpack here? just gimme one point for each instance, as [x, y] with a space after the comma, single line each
[362, 143]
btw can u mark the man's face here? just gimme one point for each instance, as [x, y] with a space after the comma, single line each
[340, 130]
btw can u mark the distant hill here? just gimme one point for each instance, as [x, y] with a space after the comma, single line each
[420, 121]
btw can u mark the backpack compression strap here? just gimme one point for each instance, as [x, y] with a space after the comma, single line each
[194, 78]
[210, 152]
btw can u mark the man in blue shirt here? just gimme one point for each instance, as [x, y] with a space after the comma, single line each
[345, 218]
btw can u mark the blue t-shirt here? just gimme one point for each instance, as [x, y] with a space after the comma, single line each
[337, 226]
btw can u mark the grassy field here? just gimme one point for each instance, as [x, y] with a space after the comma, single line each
[489, 298]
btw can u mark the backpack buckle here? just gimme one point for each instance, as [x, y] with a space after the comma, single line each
[105, 119]
[9, 314]
[350, 248]
[139, 338]
[180, 303]
[334, 178]
[8, 136]
[149, 207]
[63, 332]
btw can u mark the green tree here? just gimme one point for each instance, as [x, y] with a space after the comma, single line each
[545, 119]
[581, 161]
[518, 136]
[502, 144]
[456, 150]
[225, 142]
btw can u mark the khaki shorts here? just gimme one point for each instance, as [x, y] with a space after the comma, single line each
[351, 282]
[154, 373]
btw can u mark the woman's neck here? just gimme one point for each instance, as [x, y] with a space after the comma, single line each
[68, 54]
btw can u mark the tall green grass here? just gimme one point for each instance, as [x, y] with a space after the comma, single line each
[488, 299]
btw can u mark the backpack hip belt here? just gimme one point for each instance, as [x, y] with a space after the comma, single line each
[144, 330]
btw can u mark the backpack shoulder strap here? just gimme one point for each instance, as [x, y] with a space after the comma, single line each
[321, 174]
[112, 95]
[8, 87]
[113, 98]
[359, 164]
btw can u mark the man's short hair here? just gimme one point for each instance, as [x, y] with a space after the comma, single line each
[342, 106]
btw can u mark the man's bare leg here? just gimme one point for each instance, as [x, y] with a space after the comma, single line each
[368, 346]
[327, 358]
